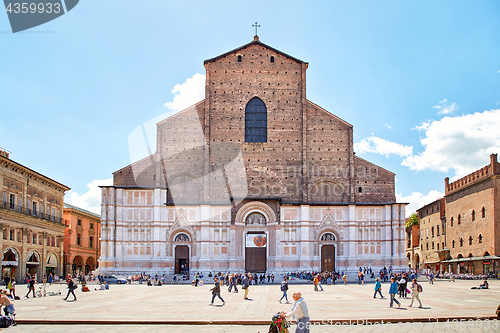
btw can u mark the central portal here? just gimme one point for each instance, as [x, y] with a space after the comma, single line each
[328, 258]
[255, 252]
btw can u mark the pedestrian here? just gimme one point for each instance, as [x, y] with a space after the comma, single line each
[284, 289]
[393, 289]
[9, 305]
[71, 288]
[300, 312]
[344, 277]
[415, 291]
[216, 291]
[31, 286]
[378, 288]
[319, 281]
[246, 284]
[12, 287]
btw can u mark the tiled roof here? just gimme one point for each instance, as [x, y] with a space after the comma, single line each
[67, 205]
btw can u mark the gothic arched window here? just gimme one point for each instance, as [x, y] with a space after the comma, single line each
[256, 121]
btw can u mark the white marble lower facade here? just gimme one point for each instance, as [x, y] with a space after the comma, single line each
[139, 233]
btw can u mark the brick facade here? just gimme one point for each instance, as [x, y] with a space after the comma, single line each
[304, 175]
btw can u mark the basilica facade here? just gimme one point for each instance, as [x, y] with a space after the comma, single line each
[255, 177]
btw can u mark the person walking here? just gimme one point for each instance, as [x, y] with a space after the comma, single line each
[378, 288]
[31, 285]
[246, 284]
[393, 289]
[71, 288]
[315, 282]
[415, 291]
[300, 312]
[284, 289]
[216, 291]
[319, 281]
[12, 287]
[344, 277]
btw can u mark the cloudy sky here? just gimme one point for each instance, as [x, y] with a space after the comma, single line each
[418, 80]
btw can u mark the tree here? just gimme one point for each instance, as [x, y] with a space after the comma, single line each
[412, 220]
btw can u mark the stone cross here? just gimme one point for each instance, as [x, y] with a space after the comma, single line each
[256, 26]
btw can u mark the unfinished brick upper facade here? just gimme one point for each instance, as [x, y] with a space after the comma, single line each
[307, 160]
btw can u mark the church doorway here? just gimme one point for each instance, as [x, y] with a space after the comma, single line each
[181, 259]
[256, 252]
[328, 258]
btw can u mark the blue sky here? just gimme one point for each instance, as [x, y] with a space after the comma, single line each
[418, 80]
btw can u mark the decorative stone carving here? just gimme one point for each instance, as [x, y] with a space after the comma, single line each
[255, 219]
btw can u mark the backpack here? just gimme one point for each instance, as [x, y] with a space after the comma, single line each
[6, 322]
[419, 288]
[284, 286]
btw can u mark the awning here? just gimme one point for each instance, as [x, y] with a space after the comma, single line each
[472, 259]
[431, 262]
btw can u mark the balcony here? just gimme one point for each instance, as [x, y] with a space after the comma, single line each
[28, 211]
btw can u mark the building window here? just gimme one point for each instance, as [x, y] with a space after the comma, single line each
[470, 240]
[34, 238]
[19, 236]
[28, 238]
[239, 58]
[91, 225]
[256, 121]
[79, 239]
[12, 203]
[34, 208]
[4, 233]
[433, 245]
[427, 233]
[19, 204]
[272, 58]
[91, 241]
[451, 222]
[442, 245]
[459, 218]
[453, 244]
[473, 215]
[53, 243]
[437, 230]
[432, 231]
[461, 242]
[11, 234]
[79, 222]
[483, 212]
[360, 189]
[437, 246]
[480, 238]
[427, 246]
[48, 241]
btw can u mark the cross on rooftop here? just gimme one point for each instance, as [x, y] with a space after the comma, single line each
[256, 26]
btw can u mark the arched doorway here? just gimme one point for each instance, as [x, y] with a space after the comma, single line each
[33, 263]
[89, 265]
[181, 259]
[10, 261]
[77, 266]
[327, 252]
[51, 266]
[417, 261]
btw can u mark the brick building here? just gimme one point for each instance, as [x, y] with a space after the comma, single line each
[413, 253]
[432, 235]
[30, 220]
[255, 177]
[460, 233]
[81, 240]
[473, 220]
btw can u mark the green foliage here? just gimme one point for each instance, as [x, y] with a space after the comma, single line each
[412, 220]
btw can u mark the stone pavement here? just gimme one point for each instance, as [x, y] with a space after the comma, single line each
[158, 309]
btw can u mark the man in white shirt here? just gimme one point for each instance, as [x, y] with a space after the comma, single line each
[300, 312]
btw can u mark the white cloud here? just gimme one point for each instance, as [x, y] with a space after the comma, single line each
[388, 126]
[377, 145]
[417, 200]
[461, 143]
[444, 108]
[91, 200]
[188, 93]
